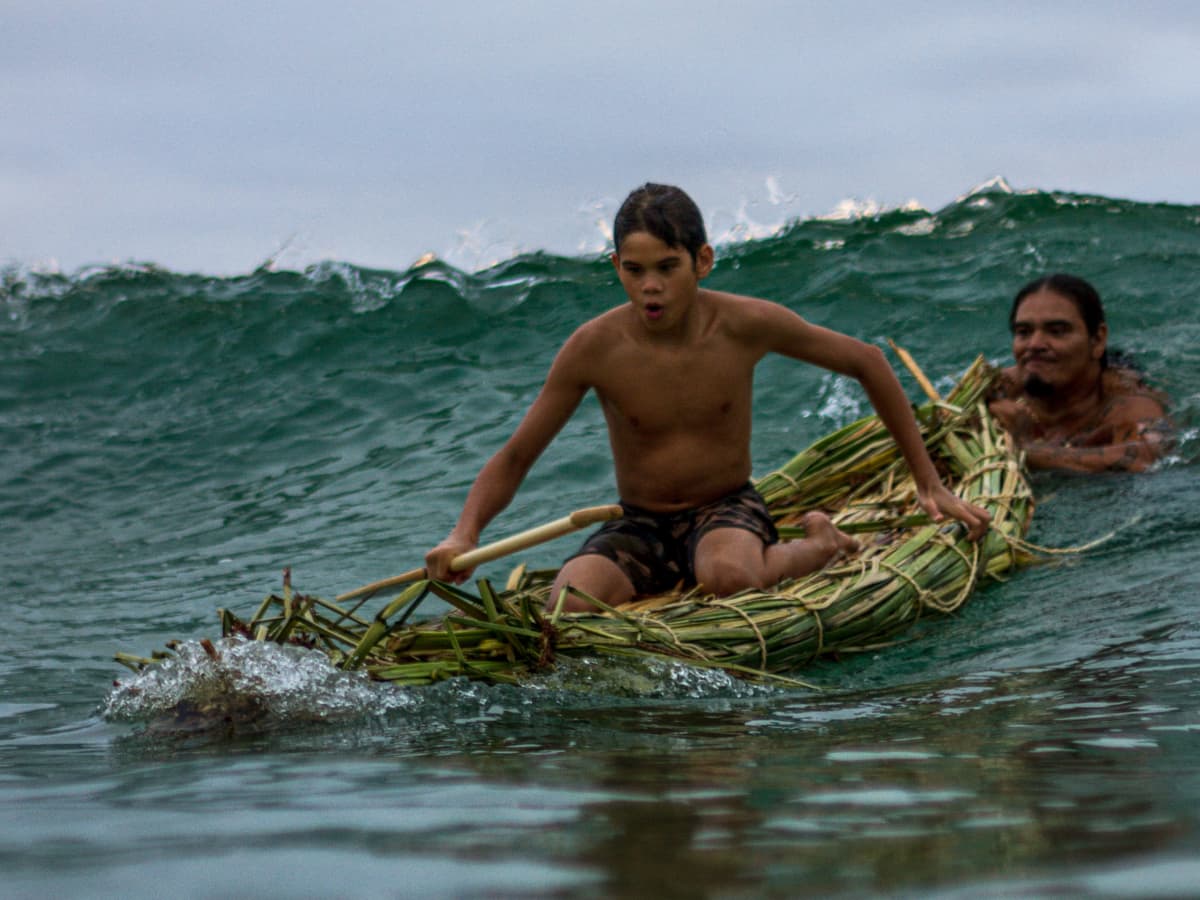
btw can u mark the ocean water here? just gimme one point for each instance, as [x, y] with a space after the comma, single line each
[173, 441]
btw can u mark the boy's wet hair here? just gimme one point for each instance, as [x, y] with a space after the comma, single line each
[665, 212]
[1085, 298]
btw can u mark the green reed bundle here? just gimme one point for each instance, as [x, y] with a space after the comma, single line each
[908, 567]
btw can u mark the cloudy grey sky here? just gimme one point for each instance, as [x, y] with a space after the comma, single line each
[208, 136]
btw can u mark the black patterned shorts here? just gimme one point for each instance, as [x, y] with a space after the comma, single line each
[657, 551]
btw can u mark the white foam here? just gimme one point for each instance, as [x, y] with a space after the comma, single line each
[284, 682]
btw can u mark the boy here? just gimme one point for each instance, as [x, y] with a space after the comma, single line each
[673, 370]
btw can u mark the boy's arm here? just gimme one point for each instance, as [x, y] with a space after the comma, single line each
[866, 364]
[500, 477]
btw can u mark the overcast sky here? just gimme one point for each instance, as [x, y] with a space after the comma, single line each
[208, 136]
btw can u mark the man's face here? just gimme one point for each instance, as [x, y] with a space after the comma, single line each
[660, 280]
[1052, 348]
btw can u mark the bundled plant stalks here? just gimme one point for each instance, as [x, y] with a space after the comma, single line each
[908, 567]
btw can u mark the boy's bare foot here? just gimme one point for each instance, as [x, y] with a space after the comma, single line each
[820, 528]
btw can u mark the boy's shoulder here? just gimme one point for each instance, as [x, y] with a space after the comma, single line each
[606, 324]
[732, 301]
[598, 335]
[747, 315]
[743, 304]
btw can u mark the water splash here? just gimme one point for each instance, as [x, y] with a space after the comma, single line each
[646, 679]
[240, 684]
[248, 682]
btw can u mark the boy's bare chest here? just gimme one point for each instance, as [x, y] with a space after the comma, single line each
[673, 390]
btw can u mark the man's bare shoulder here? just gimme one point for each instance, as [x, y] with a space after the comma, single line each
[1126, 381]
[1129, 396]
[1135, 415]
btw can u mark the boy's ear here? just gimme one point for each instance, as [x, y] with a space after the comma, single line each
[705, 259]
[616, 261]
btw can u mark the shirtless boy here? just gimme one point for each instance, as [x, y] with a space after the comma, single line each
[1062, 402]
[673, 370]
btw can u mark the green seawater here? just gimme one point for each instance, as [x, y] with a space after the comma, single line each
[171, 442]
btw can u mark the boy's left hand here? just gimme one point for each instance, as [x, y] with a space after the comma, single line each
[940, 502]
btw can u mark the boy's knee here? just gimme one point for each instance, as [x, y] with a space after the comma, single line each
[728, 576]
[594, 575]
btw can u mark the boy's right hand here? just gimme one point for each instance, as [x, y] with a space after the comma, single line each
[437, 560]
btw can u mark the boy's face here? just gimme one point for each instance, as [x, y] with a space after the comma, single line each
[1052, 346]
[661, 281]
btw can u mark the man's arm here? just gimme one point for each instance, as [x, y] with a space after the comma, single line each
[866, 364]
[500, 477]
[1134, 434]
[1129, 456]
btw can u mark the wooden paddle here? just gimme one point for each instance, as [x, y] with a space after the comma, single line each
[581, 518]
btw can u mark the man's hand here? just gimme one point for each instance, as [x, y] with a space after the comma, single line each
[1014, 417]
[940, 502]
[437, 560]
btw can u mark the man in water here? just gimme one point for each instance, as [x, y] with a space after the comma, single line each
[673, 370]
[1062, 402]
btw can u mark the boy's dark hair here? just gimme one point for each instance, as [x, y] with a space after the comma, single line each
[665, 212]
[1085, 297]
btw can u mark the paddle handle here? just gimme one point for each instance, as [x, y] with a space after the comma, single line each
[581, 518]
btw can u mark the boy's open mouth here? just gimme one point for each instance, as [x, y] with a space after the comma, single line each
[654, 310]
